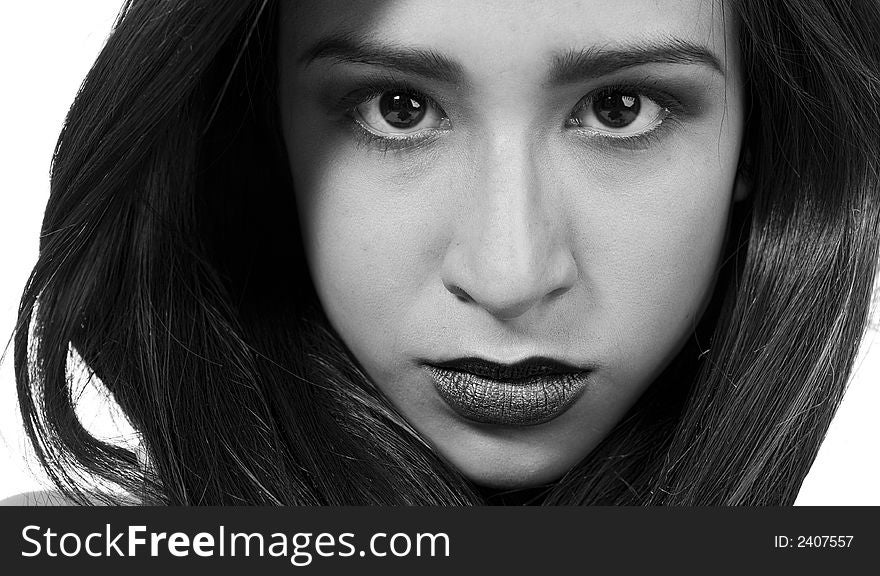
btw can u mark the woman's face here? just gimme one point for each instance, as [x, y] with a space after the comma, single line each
[513, 211]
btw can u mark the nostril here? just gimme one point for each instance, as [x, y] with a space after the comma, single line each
[558, 292]
[458, 292]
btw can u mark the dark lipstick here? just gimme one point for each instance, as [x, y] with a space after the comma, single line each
[525, 393]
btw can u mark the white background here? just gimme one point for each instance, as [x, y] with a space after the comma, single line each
[46, 48]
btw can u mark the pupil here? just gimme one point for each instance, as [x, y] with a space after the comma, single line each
[401, 109]
[617, 109]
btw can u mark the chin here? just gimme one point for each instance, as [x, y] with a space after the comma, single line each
[511, 471]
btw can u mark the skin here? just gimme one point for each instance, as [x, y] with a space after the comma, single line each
[510, 233]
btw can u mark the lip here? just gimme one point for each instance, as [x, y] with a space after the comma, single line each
[529, 392]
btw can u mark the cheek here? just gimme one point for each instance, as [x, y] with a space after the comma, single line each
[649, 240]
[372, 242]
[354, 252]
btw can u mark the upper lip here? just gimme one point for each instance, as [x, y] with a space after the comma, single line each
[527, 368]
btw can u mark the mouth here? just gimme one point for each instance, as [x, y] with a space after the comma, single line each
[530, 392]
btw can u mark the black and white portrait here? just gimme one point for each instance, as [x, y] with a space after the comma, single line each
[394, 252]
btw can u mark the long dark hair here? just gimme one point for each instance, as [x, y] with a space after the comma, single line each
[170, 261]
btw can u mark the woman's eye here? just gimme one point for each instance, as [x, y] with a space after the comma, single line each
[400, 113]
[618, 113]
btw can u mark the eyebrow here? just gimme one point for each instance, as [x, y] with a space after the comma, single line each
[594, 62]
[345, 48]
[567, 67]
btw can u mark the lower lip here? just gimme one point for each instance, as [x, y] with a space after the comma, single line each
[521, 402]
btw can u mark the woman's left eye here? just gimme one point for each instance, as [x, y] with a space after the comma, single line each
[617, 113]
[400, 113]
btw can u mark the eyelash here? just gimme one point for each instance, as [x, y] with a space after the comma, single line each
[349, 103]
[671, 105]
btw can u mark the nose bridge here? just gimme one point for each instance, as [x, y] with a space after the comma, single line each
[510, 252]
[509, 206]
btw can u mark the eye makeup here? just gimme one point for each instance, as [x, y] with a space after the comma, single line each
[345, 110]
[671, 101]
[665, 112]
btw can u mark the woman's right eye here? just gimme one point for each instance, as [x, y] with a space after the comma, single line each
[400, 114]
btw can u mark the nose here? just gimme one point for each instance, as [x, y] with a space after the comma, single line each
[509, 253]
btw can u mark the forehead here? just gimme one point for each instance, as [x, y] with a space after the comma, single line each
[495, 36]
